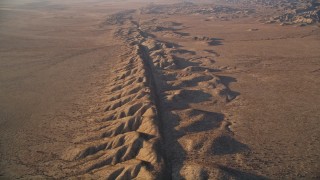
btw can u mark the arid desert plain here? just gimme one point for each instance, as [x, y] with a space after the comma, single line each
[159, 89]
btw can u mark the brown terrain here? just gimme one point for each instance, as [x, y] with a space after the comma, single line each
[220, 89]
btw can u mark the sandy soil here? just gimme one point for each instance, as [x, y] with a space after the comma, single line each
[155, 91]
[54, 60]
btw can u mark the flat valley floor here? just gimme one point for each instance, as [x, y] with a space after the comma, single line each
[163, 90]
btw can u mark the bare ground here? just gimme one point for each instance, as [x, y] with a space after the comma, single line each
[176, 91]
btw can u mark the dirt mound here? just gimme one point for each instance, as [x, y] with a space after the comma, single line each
[153, 87]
